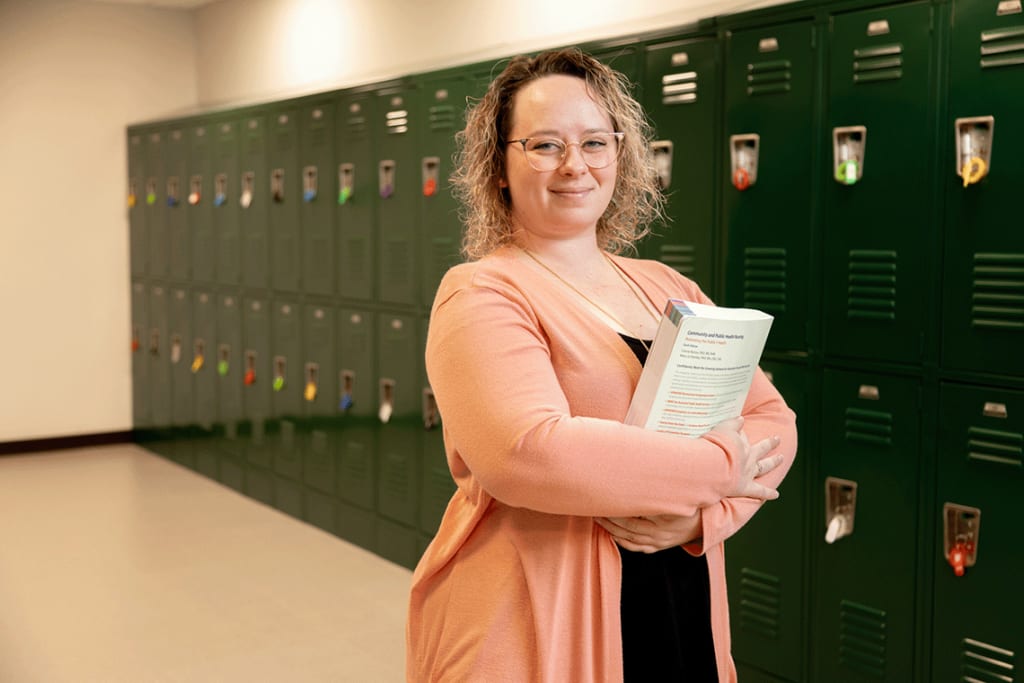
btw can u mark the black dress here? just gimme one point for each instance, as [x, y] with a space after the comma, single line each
[666, 610]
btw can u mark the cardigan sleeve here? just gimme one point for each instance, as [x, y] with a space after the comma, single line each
[509, 429]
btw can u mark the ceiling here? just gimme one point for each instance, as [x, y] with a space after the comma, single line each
[174, 4]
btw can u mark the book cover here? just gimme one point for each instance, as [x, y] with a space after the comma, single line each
[699, 368]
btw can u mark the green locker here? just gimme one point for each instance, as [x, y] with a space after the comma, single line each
[158, 372]
[140, 355]
[316, 143]
[681, 96]
[137, 201]
[441, 107]
[258, 379]
[357, 189]
[321, 510]
[879, 207]
[976, 633]
[259, 485]
[199, 199]
[983, 291]
[398, 174]
[287, 387]
[622, 58]
[399, 396]
[766, 171]
[320, 398]
[397, 543]
[175, 159]
[865, 529]
[437, 485]
[289, 496]
[230, 368]
[285, 198]
[254, 201]
[226, 211]
[767, 559]
[201, 355]
[357, 525]
[357, 449]
[155, 212]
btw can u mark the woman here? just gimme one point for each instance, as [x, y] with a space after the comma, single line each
[535, 347]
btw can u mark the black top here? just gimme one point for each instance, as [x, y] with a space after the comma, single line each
[666, 610]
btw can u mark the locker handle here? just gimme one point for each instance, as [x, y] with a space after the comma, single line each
[387, 400]
[347, 380]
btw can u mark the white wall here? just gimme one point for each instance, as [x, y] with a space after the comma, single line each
[72, 76]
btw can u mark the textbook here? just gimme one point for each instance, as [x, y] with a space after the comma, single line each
[699, 368]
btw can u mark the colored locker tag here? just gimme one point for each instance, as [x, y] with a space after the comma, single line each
[220, 199]
[278, 383]
[193, 198]
[345, 403]
[741, 179]
[430, 188]
[250, 377]
[344, 195]
[222, 368]
[958, 559]
[846, 172]
[386, 191]
[136, 345]
[310, 393]
[131, 201]
[197, 363]
[973, 171]
[151, 198]
[385, 412]
[309, 195]
[246, 199]
[172, 202]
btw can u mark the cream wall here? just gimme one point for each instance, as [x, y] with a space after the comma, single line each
[74, 74]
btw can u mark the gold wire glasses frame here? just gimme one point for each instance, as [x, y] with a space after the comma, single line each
[546, 154]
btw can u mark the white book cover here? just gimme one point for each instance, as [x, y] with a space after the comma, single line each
[699, 368]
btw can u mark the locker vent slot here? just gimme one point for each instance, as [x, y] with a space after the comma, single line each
[872, 427]
[357, 127]
[990, 445]
[862, 639]
[871, 290]
[883, 63]
[1002, 47]
[355, 464]
[760, 599]
[986, 663]
[397, 121]
[679, 88]
[399, 261]
[318, 134]
[681, 257]
[442, 117]
[764, 284]
[769, 78]
[997, 298]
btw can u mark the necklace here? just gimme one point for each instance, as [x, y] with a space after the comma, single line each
[644, 304]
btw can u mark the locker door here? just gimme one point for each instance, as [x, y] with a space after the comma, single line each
[230, 361]
[398, 173]
[680, 95]
[865, 582]
[356, 397]
[399, 396]
[159, 371]
[623, 59]
[357, 189]
[254, 201]
[175, 157]
[316, 140]
[285, 191]
[767, 563]
[442, 108]
[287, 387]
[879, 204]
[199, 199]
[225, 201]
[155, 213]
[977, 633]
[437, 485]
[140, 359]
[137, 201]
[179, 356]
[319, 394]
[257, 378]
[983, 292]
[202, 359]
[767, 200]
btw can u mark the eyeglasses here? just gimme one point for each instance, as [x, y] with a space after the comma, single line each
[546, 154]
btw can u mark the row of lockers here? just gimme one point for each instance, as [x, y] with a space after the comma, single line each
[840, 171]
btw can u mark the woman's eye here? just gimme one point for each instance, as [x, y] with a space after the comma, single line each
[594, 144]
[547, 146]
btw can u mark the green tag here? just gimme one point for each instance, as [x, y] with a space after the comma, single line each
[278, 383]
[344, 195]
[222, 368]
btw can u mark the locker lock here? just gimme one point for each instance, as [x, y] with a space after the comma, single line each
[347, 379]
[277, 185]
[136, 344]
[662, 152]
[151, 191]
[960, 537]
[346, 179]
[131, 195]
[743, 153]
[245, 196]
[840, 508]
[223, 359]
[220, 189]
[309, 184]
[175, 349]
[387, 400]
[195, 190]
[172, 192]
[198, 355]
[848, 147]
[279, 373]
[250, 368]
[386, 179]
[431, 169]
[312, 380]
[974, 147]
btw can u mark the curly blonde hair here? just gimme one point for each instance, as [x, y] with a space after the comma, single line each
[637, 200]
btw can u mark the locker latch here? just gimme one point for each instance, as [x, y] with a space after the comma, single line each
[743, 152]
[195, 190]
[387, 400]
[974, 147]
[386, 178]
[223, 360]
[277, 185]
[131, 194]
[248, 182]
[849, 144]
[172, 191]
[431, 169]
[220, 189]
[840, 508]
[198, 355]
[250, 368]
[175, 349]
[151, 191]
[346, 181]
[961, 525]
[662, 152]
[431, 416]
[154, 341]
[312, 381]
[309, 183]
[280, 364]
[346, 401]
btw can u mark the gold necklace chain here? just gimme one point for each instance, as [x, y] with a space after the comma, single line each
[593, 303]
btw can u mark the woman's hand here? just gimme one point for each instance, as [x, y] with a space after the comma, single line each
[651, 534]
[753, 459]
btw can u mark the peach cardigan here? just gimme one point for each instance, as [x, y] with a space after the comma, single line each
[519, 583]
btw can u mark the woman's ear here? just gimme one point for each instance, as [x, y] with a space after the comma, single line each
[502, 183]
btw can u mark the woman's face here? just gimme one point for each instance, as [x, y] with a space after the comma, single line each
[568, 201]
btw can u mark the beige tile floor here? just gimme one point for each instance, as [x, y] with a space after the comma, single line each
[117, 565]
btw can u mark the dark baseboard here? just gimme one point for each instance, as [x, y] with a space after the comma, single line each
[65, 442]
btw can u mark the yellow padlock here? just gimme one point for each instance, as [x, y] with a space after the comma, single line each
[974, 170]
[310, 392]
[197, 363]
